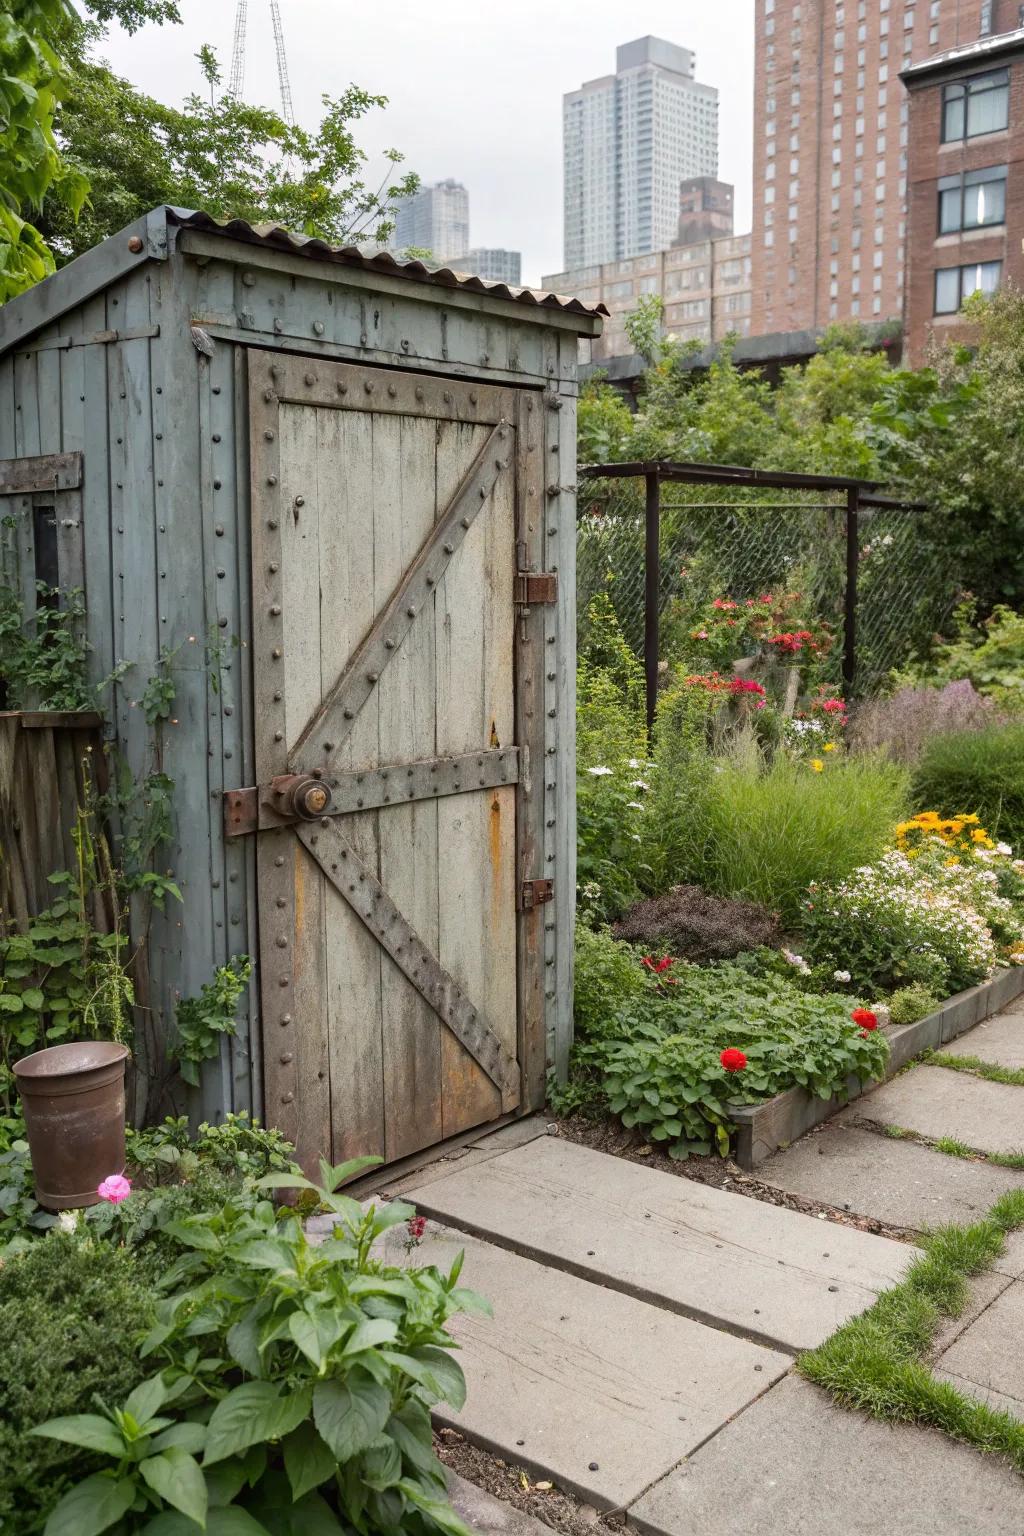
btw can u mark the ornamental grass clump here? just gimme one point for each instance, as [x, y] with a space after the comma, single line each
[977, 771]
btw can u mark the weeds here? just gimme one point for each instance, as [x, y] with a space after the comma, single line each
[1012, 1076]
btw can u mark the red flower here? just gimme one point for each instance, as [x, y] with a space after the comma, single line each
[866, 1019]
[417, 1227]
[733, 1060]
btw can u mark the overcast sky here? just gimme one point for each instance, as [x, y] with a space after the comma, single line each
[475, 89]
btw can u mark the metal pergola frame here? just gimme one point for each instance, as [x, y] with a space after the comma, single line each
[654, 472]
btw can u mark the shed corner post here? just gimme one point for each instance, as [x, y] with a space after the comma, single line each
[652, 586]
[850, 597]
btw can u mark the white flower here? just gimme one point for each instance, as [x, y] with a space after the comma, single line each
[633, 762]
[591, 891]
[1004, 849]
[798, 961]
[600, 773]
[638, 784]
[68, 1221]
[841, 975]
[635, 805]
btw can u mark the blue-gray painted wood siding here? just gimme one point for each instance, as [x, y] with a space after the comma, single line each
[164, 434]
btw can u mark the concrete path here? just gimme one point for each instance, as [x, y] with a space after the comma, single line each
[645, 1325]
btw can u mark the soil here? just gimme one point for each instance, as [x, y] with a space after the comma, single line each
[517, 1487]
[605, 1134]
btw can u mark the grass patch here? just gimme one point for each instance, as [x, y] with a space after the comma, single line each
[1007, 1159]
[1013, 1077]
[947, 1144]
[875, 1362]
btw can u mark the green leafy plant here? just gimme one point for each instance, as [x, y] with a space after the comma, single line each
[655, 1056]
[908, 1004]
[159, 693]
[201, 1022]
[72, 1315]
[238, 1147]
[303, 1375]
[21, 1215]
[43, 658]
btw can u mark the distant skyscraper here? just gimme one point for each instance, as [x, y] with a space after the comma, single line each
[434, 219]
[494, 263]
[628, 140]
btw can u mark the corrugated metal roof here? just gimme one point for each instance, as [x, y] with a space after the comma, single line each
[274, 237]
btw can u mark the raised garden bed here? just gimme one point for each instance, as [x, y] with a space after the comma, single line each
[763, 1128]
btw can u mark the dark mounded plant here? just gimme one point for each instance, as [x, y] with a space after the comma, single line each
[72, 1315]
[697, 925]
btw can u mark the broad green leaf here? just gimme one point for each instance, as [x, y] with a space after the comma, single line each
[224, 1482]
[243, 1342]
[227, 1520]
[307, 1460]
[438, 1371]
[148, 1397]
[266, 1253]
[369, 1334]
[284, 1181]
[91, 1506]
[382, 1466]
[192, 1234]
[350, 1416]
[439, 1510]
[253, 1412]
[306, 1335]
[190, 1437]
[177, 1478]
[89, 1429]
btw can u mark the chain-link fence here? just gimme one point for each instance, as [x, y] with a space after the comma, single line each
[737, 541]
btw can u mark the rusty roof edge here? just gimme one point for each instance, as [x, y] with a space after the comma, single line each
[276, 237]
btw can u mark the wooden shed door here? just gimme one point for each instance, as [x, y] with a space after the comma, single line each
[393, 666]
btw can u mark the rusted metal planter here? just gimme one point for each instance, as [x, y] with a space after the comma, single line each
[73, 1098]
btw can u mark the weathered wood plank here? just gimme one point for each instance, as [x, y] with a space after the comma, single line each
[403, 516]
[354, 959]
[41, 471]
[560, 763]
[303, 381]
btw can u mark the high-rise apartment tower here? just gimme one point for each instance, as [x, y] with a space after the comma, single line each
[434, 219]
[830, 150]
[628, 140]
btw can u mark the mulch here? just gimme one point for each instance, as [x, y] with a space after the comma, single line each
[515, 1486]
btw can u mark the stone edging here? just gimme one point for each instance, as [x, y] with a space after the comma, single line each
[763, 1128]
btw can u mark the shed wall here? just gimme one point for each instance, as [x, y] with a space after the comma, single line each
[164, 433]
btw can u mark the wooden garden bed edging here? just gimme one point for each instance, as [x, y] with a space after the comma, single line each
[763, 1128]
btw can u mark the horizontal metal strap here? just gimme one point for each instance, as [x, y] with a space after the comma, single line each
[393, 931]
[429, 779]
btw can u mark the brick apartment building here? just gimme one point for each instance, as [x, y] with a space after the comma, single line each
[831, 120]
[966, 180]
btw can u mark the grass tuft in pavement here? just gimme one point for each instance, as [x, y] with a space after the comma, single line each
[876, 1363]
[1012, 1076]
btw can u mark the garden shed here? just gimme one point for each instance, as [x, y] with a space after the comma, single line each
[321, 507]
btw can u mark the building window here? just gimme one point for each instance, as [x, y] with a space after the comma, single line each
[972, 200]
[978, 105]
[954, 284]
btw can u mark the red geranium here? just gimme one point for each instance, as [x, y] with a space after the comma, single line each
[733, 1060]
[866, 1019]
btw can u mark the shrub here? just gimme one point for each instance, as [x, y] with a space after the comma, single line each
[659, 1062]
[310, 1396]
[764, 833]
[898, 921]
[607, 978]
[903, 724]
[980, 772]
[909, 1004]
[609, 817]
[698, 926]
[991, 656]
[72, 1314]
[237, 1147]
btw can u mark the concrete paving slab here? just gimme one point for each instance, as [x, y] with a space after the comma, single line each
[1011, 1261]
[999, 1040]
[487, 1515]
[988, 1353]
[984, 1290]
[757, 1269]
[796, 1465]
[598, 1391]
[900, 1182]
[995, 1400]
[936, 1103]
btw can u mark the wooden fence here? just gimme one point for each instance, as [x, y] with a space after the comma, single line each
[42, 784]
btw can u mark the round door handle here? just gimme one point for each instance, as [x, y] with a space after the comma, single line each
[310, 799]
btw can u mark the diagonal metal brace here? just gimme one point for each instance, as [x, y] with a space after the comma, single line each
[372, 904]
[319, 745]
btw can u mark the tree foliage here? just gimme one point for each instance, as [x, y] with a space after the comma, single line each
[950, 434]
[84, 153]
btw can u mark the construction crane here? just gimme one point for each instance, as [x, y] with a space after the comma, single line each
[236, 82]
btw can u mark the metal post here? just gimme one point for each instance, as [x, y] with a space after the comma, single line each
[652, 590]
[850, 606]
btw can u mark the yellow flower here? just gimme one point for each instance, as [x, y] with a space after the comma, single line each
[817, 764]
[829, 746]
[951, 863]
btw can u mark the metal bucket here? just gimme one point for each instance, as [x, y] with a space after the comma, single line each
[73, 1098]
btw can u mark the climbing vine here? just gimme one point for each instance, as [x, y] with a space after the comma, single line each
[202, 1021]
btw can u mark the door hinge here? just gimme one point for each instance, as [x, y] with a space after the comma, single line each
[536, 587]
[534, 893]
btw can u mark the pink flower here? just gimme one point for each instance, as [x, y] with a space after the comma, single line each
[115, 1188]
